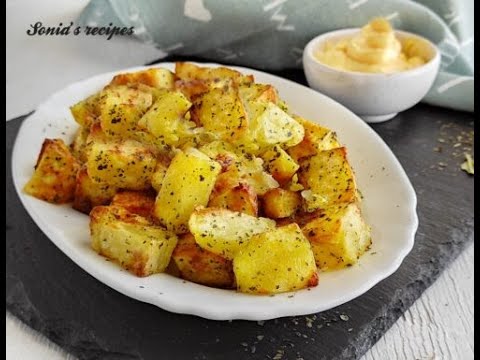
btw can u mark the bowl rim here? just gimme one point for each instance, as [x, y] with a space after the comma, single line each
[315, 42]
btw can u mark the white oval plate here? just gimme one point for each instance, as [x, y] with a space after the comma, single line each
[389, 207]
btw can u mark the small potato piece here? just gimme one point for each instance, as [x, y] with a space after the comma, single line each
[188, 71]
[275, 261]
[273, 127]
[339, 236]
[165, 119]
[132, 241]
[86, 111]
[155, 77]
[55, 173]
[192, 88]
[221, 112]
[241, 198]
[280, 164]
[224, 232]
[126, 165]
[260, 92]
[317, 138]
[89, 194]
[281, 203]
[137, 202]
[159, 175]
[79, 143]
[328, 178]
[120, 109]
[188, 183]
[202, 266]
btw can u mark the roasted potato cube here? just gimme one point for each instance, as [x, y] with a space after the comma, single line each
[192, 88]
[121, 107]
[258, 92]
[188, 71]
[316, 139]
[328, 178]
[126, 165]
[132, 241]
[280, 164]
[89, 194]
[221, 112]
[156, 77]
[202, 266]
[275, 261]
[86, 111]
[165, 119]
[281, 203]
[339, 236]
[241, 198]
[137, 202]
[188, 183]
[159, 175]
[79, 143]
[272, 126]
[223, 231]
[55, 172]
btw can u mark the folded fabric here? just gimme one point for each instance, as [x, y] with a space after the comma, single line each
[271, 34]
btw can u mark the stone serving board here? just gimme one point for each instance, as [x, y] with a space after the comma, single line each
[49, 292]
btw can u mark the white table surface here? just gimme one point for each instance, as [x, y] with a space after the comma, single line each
[438, 326]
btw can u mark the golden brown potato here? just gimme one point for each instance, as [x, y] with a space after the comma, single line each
[317, 138]
[281, 203]
[55, 172]
[132, 241]
[223, 231]
[188, 183]
[338, 235]
[79, 144]
[137, 202]
[258, 92]
[89, 194]
[187, 71]
[192, 88]
[280, 165]
[241, 198]
[275, 261]
[155, 77]
[202, 266]
[85, 112]
[327, 178]
[124, 165]
[221, 112]
[166, 119]
[120, 109]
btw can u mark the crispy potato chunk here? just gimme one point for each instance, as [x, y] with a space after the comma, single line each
[120, 109]
[221, 112]
[328, 178]
[156, 77]
[89, 194]
[281, 203]
[202, 266]
[275, 261]
[137, 202]
[280, 165]
[188, 183]
[55, 173]
[224, 232]
[270, 126]
[125, 165]
[86, 111]
[165, 119]
[132, 241]
[316, 139]
[187, 71]
[241, 198]
[339, 236]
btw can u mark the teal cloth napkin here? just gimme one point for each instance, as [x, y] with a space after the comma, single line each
[271, 34]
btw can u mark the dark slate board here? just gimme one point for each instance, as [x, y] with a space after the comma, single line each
[46, 290]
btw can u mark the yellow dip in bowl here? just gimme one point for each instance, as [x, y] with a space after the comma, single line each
[375, 49]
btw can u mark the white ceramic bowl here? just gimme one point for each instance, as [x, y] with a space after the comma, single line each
[374, 97]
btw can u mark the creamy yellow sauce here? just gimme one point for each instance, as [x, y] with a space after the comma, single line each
[375, 49]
